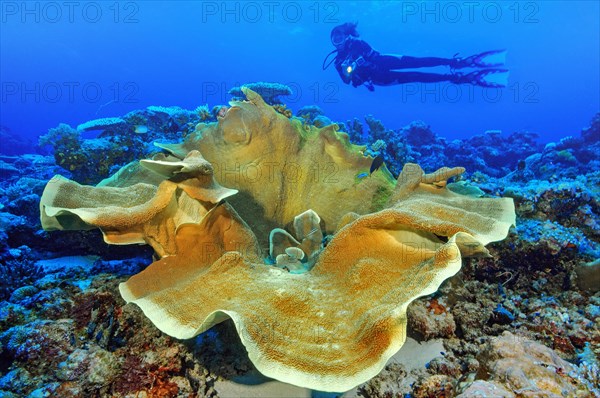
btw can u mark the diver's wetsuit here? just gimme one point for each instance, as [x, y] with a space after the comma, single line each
[373, 67]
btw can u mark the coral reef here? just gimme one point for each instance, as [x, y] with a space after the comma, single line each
[488, 153]
[310, 112]
[396, 151]
[121, 141]
[203, 243]
[17, 269]
[65, 331]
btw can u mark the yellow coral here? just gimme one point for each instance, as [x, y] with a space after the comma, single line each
[330, 328]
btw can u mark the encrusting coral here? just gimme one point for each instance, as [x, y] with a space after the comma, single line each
[334, 325]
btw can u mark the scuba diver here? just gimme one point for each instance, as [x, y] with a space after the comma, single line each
[357, 63]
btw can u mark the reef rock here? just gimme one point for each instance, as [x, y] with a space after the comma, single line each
[527, 368]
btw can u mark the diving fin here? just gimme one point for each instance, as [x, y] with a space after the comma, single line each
[485, 78]
[487, 59]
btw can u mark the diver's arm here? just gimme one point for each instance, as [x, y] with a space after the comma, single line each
[483, 60]
[359, 80]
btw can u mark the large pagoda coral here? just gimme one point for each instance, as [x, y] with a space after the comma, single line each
[334, 325]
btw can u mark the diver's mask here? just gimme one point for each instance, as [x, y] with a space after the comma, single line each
[338, 38]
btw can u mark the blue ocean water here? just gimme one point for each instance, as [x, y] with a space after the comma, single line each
[63, 62]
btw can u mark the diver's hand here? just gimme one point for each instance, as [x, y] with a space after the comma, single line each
[369, 85]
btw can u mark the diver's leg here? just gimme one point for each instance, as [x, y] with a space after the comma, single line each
[391, 62]
[391, 78]
[477, 78]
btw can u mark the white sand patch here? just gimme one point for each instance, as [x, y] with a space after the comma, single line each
[413, 355]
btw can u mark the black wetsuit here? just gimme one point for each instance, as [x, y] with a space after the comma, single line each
[379, 69]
